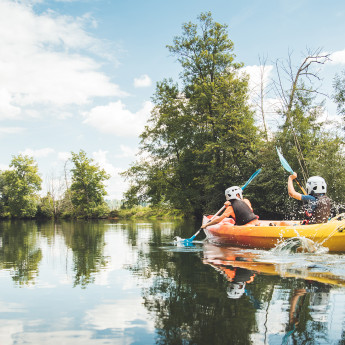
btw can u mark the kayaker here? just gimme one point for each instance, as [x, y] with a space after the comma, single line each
[318, 204]
[236, 207]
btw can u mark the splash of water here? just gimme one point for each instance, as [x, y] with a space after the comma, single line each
[299, 244]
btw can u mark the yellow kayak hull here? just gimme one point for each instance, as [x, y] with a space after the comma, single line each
[270, 233]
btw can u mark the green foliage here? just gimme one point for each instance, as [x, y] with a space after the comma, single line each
[87, 188]
[19, 187]
[310, 150]
[47, 207]
[160, 211]
[200, 137]
[327, 160]
[339, 95]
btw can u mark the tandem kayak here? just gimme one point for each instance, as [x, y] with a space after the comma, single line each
[270, 233]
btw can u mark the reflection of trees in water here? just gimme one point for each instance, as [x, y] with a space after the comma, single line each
[86, 240]
[308, 322]
[19, 251]
[189, 303]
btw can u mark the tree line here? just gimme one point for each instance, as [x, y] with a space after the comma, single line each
[208, 131]
[83, 195]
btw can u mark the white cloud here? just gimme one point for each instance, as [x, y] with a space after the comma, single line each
[143, 81]
[127, 152]
[66, 337]
[64, 115]
[64, 156]
[258, 74]
[338, 57]
[116, 185]
[120, 315]
[4, 167]
[38, 153]
[100, 158]
[11, 130]
[43, 60]
[9, 329]
[114, 118]
[7, 110]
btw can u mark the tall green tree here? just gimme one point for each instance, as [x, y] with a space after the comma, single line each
[201, 136]
[87, 187]
[19, 186]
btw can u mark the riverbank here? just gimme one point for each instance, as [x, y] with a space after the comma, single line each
[137, 212]
[145, 212]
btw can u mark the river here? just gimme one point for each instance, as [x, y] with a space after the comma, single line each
[125, 282]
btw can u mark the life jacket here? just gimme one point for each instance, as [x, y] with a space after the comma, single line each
[318, 211]
[242, 212]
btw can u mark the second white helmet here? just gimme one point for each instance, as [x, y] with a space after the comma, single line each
[233, 192]
[316, 184]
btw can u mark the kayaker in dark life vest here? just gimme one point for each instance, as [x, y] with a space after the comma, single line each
[318, 204]
[236, 207]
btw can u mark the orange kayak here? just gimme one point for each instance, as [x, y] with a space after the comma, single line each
[270, 233]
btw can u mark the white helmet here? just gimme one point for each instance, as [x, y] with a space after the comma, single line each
[316, 184]
[236, 290]
[232, 193]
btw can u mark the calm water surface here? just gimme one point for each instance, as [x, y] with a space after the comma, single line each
[129, 283]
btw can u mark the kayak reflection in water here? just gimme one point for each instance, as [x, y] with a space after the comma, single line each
[238, 278]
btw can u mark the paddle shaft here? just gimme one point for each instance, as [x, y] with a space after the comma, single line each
[287, 167]
[251, 178]
[302, 189]
[208, 221]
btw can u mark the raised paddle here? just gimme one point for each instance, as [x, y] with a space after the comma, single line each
[251, 178]
[287, 167]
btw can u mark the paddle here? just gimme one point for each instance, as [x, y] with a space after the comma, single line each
[251, 178]
[287, 167]
[196, 234]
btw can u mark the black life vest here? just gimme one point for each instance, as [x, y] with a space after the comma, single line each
[318, 211]
[242, 211]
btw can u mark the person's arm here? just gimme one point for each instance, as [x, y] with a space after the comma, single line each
[219, 219]
[291, 189]
[214, 221]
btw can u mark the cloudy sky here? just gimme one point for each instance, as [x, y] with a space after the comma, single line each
[79, 74]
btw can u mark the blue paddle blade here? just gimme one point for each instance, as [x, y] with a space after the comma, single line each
[188, 243]
[189, 239]
[284, 163]
[251, 178]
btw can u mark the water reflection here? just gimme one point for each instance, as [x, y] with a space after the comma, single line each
[126, 282]
[86, 240]
[290, 311]
[19, 251]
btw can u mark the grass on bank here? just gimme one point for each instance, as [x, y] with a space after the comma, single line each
[147, 212]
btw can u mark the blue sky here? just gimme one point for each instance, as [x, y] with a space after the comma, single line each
[80, 74]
